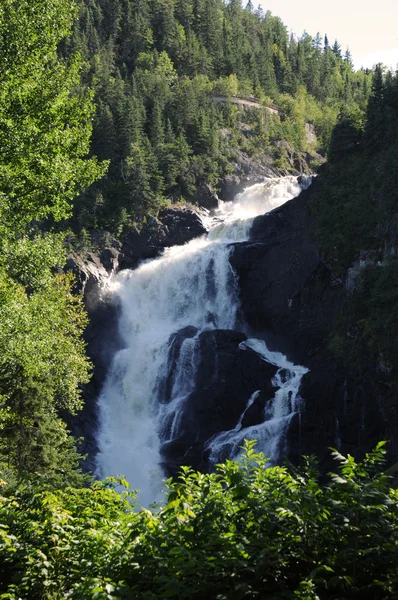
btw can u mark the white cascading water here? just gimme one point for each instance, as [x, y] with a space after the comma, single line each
[190, 285]
[277, 414]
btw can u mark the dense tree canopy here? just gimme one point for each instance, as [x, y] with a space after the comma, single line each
[45, 129]
[156, 67]
[355, 206]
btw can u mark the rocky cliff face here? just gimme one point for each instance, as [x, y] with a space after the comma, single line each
[225, 378]
[291, 297]
[248, 170]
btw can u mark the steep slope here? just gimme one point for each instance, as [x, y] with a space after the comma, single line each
[291, 296]
[158, 68]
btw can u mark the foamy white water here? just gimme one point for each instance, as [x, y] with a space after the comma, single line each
[190, 285]
[277, 413]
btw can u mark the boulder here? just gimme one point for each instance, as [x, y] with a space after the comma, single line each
[136, 246]
[181, 225]
[205, 197]
[174, 227]
[110, 259]
[89, 272]
[226, 378]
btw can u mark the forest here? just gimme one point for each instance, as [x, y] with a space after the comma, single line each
[155, 69]
[107, 114]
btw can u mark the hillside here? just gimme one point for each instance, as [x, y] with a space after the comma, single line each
[155, 68]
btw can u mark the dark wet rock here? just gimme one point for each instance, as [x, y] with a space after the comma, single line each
[175, 343]
[174, 227]
[291, 296]
[205, 197]
[182, 225]
[254, 415]
[110, 259]
[137, 246]
[102, 338]
[89, 272]
[226, 377]
[103, 341]
[286, 289]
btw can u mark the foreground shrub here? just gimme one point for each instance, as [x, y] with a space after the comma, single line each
[243, 532]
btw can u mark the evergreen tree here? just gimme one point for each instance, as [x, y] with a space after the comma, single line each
[348, 57]
[318, 41]
[375, 126]
[336, 49]
[162, 50]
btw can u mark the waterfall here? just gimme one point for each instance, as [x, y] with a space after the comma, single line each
[277, 414]
[194, 287]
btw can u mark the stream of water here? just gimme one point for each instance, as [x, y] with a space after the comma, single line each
[190, 285]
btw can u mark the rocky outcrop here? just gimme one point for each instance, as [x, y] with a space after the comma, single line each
[174, 227]
[89, 272]
[102, 338]
[286, 288]
[226, 377]
[291, 296]
[205, 197]
[246, 171]
[249, 171]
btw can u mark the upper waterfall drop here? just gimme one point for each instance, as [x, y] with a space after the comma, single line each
[191, 287]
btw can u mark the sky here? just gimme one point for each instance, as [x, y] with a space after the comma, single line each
[369, 29]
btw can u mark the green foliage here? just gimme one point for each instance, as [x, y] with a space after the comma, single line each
[31, 259]
[246, 531]
[45, 121]
[41, 366]
[156, 69]
[355, 202]
[368, 328]
[45, 129]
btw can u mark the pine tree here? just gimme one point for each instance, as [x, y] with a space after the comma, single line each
[348, 57]
[374, 131]
[317, 41]
[336, 49]
[260, 12]
[156, 124]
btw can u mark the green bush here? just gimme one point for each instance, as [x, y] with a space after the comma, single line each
[244, 531]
